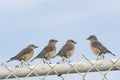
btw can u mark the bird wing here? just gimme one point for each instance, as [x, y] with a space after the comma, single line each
[98, 45]
[46, 50]
[23, 52]
[102, 48]
[65, 48]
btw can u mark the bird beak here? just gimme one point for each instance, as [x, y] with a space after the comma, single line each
[56, 40]
[75, 42]
[36, 46]
[87, 39]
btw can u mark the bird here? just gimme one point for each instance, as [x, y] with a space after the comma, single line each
[67, 50]
[97, 47]
[25, 54]
[48, 51]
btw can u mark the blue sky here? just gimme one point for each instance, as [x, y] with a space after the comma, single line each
[23, 22]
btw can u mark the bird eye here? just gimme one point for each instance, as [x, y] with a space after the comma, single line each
[72, 41]
[90, 36]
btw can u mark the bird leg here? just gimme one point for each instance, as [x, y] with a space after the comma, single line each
[49, 62]
[43, 60]
[101, 56]
[27, 63]
[69, 60]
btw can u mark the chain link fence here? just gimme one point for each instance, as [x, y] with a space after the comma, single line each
[78, 70]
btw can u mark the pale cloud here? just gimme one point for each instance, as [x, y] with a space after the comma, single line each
[95, 8]
[90, 9]
[63, 18]
[16, 4]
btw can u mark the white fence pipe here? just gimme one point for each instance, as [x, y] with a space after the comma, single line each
[42, 70]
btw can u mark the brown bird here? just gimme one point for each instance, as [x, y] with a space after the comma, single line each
[48, 51]
[25, 54]
[97, 47]
[67, 50]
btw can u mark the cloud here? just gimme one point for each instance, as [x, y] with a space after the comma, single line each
[61, 12]
[94, 8]
[16, 4]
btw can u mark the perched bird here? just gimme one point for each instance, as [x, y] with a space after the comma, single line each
[67, 50]
[97, 47]
[25, 54]
[48, 51]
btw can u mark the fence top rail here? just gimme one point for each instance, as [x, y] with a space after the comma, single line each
[54, 69]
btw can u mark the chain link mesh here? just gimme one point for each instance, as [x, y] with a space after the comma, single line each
[81, 69]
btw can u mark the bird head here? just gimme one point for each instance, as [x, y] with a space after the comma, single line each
[92, 38]
[32, 46]
[71, 41]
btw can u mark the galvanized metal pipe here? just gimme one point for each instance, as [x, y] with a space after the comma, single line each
[43, 69]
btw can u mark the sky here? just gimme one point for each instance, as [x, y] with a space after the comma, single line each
[24, 22]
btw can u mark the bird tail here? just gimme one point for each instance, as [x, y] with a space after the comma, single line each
[111, 53]
[13, 58]
[55, 56]
[33, 59]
